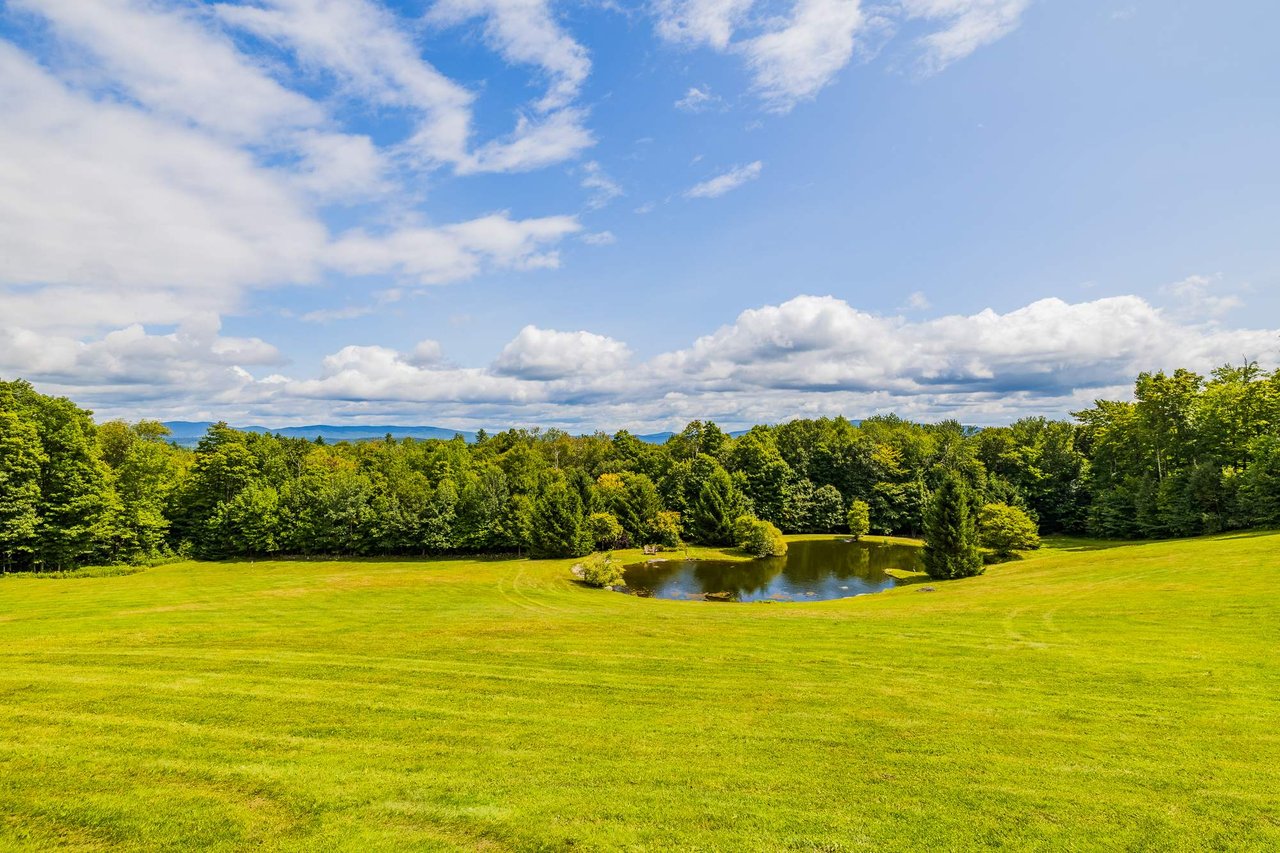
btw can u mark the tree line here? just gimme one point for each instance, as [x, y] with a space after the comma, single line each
[1188, 455]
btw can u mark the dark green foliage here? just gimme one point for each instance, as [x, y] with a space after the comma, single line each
[1260, 484]
[21, 460]
[558, 528]
[826, 512]
[951, 532]
[714, 505]
[1189, 455]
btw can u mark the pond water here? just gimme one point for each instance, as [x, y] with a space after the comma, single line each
[813, 570]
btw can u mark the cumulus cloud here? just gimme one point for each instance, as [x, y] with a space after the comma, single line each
[543, 354]
[809, 356]
[154, 171]
[726, 182]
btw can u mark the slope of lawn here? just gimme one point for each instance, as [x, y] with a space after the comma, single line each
[1092, 696]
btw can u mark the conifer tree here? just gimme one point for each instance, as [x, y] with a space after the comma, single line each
[951, 533]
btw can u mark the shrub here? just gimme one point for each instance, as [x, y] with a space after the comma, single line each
[1005, 529]
[859, 519]
[759, 538]
[601, 570]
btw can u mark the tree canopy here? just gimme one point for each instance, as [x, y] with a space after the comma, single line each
[1186, 455]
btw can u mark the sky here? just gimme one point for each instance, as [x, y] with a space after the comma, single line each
[606, 215]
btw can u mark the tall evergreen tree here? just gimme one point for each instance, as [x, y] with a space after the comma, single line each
[716, 504]
[951, 532]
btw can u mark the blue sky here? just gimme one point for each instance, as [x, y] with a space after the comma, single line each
[495, 212]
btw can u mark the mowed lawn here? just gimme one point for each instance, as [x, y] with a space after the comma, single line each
[1089, 697]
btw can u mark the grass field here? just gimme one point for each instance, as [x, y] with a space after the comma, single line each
[1089, 697]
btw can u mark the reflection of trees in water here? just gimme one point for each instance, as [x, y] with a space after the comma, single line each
[746, 578]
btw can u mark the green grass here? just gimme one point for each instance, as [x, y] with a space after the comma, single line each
[1091, 696]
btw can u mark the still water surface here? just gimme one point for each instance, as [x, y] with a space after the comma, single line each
[812, 570]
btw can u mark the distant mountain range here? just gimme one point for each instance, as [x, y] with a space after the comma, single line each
[188, 433]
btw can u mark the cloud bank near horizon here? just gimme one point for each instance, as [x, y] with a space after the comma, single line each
[809, 356]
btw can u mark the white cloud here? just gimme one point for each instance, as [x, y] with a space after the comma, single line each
[917, 301]
[169, 61]
[543, 354]
[794, 55]
[793, 62]
[809, 356]
[163, 174]
[427, 353]
[603, 188]
[438, 255]
[533, 144]
[525, 31]
[697, 100]
[970, 24]
[727, 182]
[710, 22]
[112, 197]
[599, 238]
[375, 56]
[1194, 298]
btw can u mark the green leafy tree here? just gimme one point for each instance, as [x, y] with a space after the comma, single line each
[766, 474]
[558, 528]
[666, 530]
[826, 511]
[951, 534]
[604, 530]
[1006, 529]
[249, 523]
[74, 518]
[21, 459]
[859, 519]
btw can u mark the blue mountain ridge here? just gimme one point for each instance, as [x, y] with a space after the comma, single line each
[188, 433]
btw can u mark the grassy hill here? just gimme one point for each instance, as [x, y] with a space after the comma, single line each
[1090, 697]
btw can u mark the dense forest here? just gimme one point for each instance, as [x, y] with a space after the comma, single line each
[1188, 455]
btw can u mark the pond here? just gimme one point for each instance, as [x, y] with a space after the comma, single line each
[813, 570]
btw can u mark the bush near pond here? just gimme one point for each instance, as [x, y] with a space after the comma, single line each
[759, 538]
[601, 570]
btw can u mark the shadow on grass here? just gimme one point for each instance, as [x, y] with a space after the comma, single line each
[1075, 544]
[382, 558]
